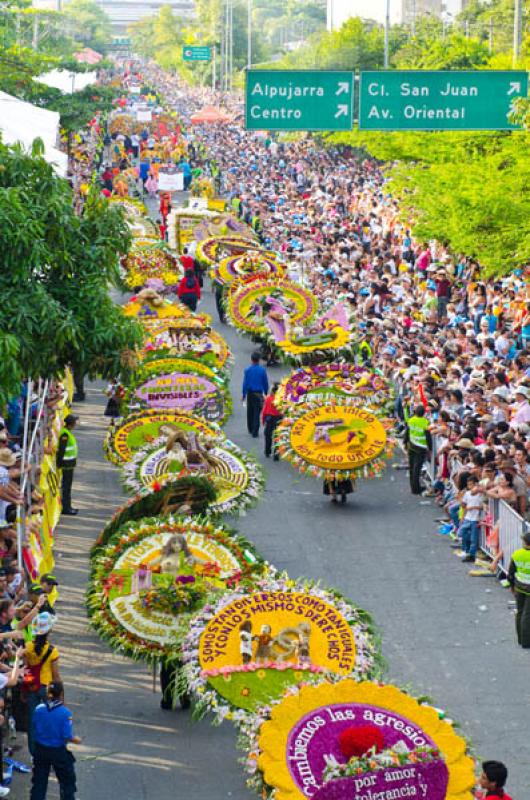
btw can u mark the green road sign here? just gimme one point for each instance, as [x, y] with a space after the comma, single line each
[197, 53]
[418, 100]
[299, 100]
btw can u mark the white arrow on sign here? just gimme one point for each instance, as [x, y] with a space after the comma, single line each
[514, 87]
[344, 87]
[342, 111]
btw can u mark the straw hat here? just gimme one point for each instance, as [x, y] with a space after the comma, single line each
[7, 457]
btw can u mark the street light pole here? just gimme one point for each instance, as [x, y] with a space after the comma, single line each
[249, 34]
[517, 30]
[387, 34]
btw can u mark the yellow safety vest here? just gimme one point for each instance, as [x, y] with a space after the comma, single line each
[70, 452]
[417, 431]
[521, 559]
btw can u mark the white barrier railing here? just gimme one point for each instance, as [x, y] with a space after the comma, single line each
[511, 526]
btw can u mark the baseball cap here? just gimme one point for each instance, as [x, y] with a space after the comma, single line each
[49, 578]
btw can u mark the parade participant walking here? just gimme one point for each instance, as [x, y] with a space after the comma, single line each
[53, 730]
[419, 441]
[519, 580]
[270, 417]
[493, 779]
[189, 291]
[255, 387]
[67, 460]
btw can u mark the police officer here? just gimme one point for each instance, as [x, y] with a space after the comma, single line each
[66, 460]
[53, 730]
[519, 580]
[419, 441]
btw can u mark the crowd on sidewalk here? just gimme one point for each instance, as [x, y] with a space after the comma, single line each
[451, 341]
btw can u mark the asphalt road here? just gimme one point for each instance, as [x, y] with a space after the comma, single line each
[444, 634]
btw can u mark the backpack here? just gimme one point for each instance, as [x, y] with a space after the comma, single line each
[190, 282]
[32, 682]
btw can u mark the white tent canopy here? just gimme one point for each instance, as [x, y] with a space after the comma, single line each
[23, 122]
[67, 82]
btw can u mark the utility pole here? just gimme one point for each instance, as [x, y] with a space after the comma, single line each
[231, 47]
[387, 34]
[249, 34]
[517, 30]
[214, 56]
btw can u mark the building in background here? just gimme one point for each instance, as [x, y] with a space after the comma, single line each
[412, 10]
[340, 11]
[123, 13]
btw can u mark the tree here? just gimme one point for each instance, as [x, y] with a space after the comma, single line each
[89, 24]
[56, 270]
[77, 109]
[469, 191]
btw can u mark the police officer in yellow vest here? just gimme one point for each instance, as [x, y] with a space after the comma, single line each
[419, 441]
[519, 579]
[66, 460]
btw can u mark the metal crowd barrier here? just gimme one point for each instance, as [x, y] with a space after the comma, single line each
[511, 524]
[511, 527]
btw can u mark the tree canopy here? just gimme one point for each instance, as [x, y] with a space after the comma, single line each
[56, 271]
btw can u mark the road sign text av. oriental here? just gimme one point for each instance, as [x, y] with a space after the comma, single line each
[439, 100]
[299, 100]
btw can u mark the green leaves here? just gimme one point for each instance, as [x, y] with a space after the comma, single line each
[55, 272]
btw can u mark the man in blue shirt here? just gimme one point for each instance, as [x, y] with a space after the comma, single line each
[255, 387]
[52, 730]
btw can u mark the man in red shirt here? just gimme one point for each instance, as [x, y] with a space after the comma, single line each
[270, 416]
[187, 261]
[493, 778]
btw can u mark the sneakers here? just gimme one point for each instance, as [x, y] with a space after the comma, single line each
[456, 544]
[4, 791]
[70, 512]
[467, 559]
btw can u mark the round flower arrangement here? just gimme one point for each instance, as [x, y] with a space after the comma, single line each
[337, 439]
[251, 262]
[127, 435]
[153, 574]
[121, 123]
[254, 300]
[131, 207]
[188, 337]
[223, 224]
[185, 390]
[237, 478]
[326, 338]
[150, 261]
[181, 384]
[160, 362]
[334, 381]
[215, 247]
[349, 739]
[149, 305]
[248, 648]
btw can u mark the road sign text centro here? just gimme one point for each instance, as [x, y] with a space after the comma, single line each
[299, 100]
[439, 100]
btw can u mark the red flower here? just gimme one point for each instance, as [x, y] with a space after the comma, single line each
[358, 741]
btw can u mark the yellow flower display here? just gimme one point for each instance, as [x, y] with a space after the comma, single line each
[304, 725]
